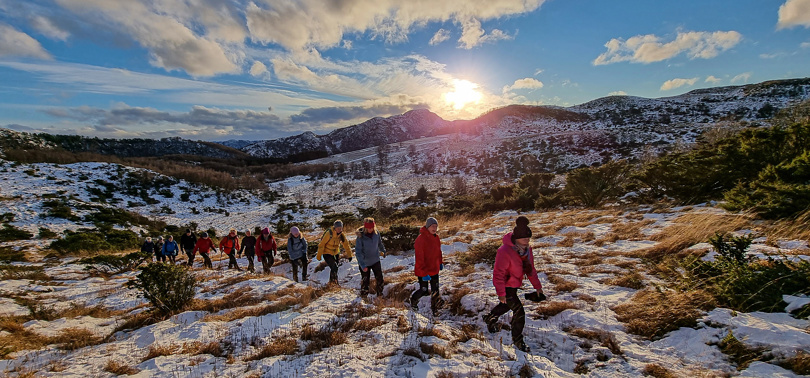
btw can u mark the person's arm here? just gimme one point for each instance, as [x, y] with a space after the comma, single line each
[321, 246]
[533, 274]
[273, 245]
[358, 251]
[499, 274]
[419, 257]
[380, 246]
[348, 247]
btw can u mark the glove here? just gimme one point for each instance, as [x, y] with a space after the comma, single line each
[537, 296]
[441, 266]
[426, 278]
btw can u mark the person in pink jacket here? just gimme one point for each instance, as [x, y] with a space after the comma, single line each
[514, 261]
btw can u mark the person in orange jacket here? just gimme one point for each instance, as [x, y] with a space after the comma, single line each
[230, 245]
[265, 249]
[428, 263]
[203, 245]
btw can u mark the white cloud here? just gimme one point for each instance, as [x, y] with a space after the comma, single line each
[617, 93]
[650, 48]
[49, 29]
[347, 44]
[440, 36]
[712, 79]
[538, 71]
[525, 83]
[257, 68]
[677, 83]
[741, 78]
[794, 13]
[805, 45]
[14, 43]
[472, 34]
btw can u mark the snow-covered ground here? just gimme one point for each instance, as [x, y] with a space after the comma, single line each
[574, 252]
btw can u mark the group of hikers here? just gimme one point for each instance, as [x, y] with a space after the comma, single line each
[513, 262]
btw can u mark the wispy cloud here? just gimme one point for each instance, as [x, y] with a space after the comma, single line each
[805, 45]
[651, 48]
[14, 43]
[258, 68]
[525, 83]
[712, 79]
[440, 36]
[677, 83]
[617, 93]
[741, 78]
[794, 13]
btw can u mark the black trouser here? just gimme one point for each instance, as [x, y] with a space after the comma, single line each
[173, 259]
[249, 257]
[331, 260]
[232, 261]
[303, 263]
[267, 261]
[190, 253]
[518, 315]
[366, 278]
[160, 257]
[423, 290]
[206, 260]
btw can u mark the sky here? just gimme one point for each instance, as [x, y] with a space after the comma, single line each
[264, 69]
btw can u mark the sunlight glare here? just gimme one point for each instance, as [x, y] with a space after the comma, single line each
[464, 94]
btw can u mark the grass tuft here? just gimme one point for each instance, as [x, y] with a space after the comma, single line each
[118, 368]
[652, 313]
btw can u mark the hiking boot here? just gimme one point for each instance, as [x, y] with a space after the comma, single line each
[414, 305]
[521, 346]
[492, 323]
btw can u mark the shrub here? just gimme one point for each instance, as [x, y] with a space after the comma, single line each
[112, 264]
[732, 250]
[8, 254]
[11, 233]
[399, 237]
[480, 253]
[652, 314]
[169, 288]
[592, 186]
[45, 233]
[95, 241]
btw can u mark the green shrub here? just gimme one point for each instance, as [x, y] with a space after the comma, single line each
[593, 186]
[399, 237]
[45, 233]
[169, 288]
[112, 264]
[8, 254]
[480, 253]
[734, 249]
[95, 241]
[11, 233]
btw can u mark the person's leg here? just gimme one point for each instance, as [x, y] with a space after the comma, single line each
[250, 262]
[191, 255]
[333, 268]
[294, 264]
[518, 314]
[378, 276]
[436, 301]
[365, 278]
[492, 317]
[172, 258]
[419, 293]
[265, 268]
[207, 261]
[304, 264]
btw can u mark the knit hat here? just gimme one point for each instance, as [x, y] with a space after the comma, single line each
[160, 237]
[265, 231]
[204, 235]
[295, 231]
[188, 230]
[338, 223]
[431, 221]
[521, 230]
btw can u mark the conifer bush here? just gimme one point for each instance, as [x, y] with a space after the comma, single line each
[112, 264]
[594, 185]
[400, 237]
[169, 288]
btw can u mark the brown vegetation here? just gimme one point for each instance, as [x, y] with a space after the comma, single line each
[550, 308]
[561, 284]
[652, 313]
[690, 229]
[630, 279]
[657, 371]
[159, 350]
[118, 368]
[277, 347]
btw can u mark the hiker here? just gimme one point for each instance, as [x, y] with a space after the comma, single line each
[369, 247]
[148, 246]
[266, 248]
[170, 249]
[249, 248]
[297, 249]
[204, 244]
[428, 263]
[159, 250]
[514, 260]
[187, 242]
[230, 245]
[329, 249]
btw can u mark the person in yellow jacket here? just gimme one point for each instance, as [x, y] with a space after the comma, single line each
[329, 248]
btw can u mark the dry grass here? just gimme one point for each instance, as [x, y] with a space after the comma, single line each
[160, 350]
[194, 348]
[118, 368]
[278, 347]
[469, 332]
[740, 354]
[561, 284]
[550, 308]
[320, 339]
[690, 229]
[76, 338]
[403, 326]
[19, 338]
[283, 304]
[395, 269]
[796, 229]
[799, 364]
[585, 297]
[431, 331]
[657, 371]
[433, 349]
[606, 339]
[588, 260]
[141, 319]
[368, 324]
[652, 314]
[567, 242]
[628, 230]
[445, 374]
[454, 304]
[631, 280]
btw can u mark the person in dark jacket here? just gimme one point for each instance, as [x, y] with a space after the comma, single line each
[159, 250]
[170, 249]
[148, 246]
[203, 246]
[428, 263]
[513, 261]
[297, 249]
[187, 242]
[266, 248]
[249, 249]
[368, 248]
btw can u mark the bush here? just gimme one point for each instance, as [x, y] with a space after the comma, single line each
[399, 237]
[169, 288]
[8, 254]
[593, 186]
[732, 250]
[11, 233]
[95, 241]
[480, 253]
[111, 264]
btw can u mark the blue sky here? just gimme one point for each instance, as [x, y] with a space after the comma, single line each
[259, 69]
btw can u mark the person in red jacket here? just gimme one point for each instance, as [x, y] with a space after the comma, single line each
[428, 249]
[203, 245]
[265, 250]
[513, 261]
[230, 245]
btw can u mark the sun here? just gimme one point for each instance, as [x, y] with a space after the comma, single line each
[463, 94]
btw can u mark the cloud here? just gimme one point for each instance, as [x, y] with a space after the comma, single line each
[741, 78]
[712, 79]
[525, 83]
[617, 93]
[650, 48]
[440, 36]
[257, 68]
[677, 83]
[472, 34]
[49, 29]
[14, 43]
[346, 113]
[794, 13]
[805, 45]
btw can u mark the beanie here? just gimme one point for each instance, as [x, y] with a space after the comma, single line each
[295, 230]
[338, 223]
[266, 231]
[521, 230]
[204, 235]
[431, 221]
